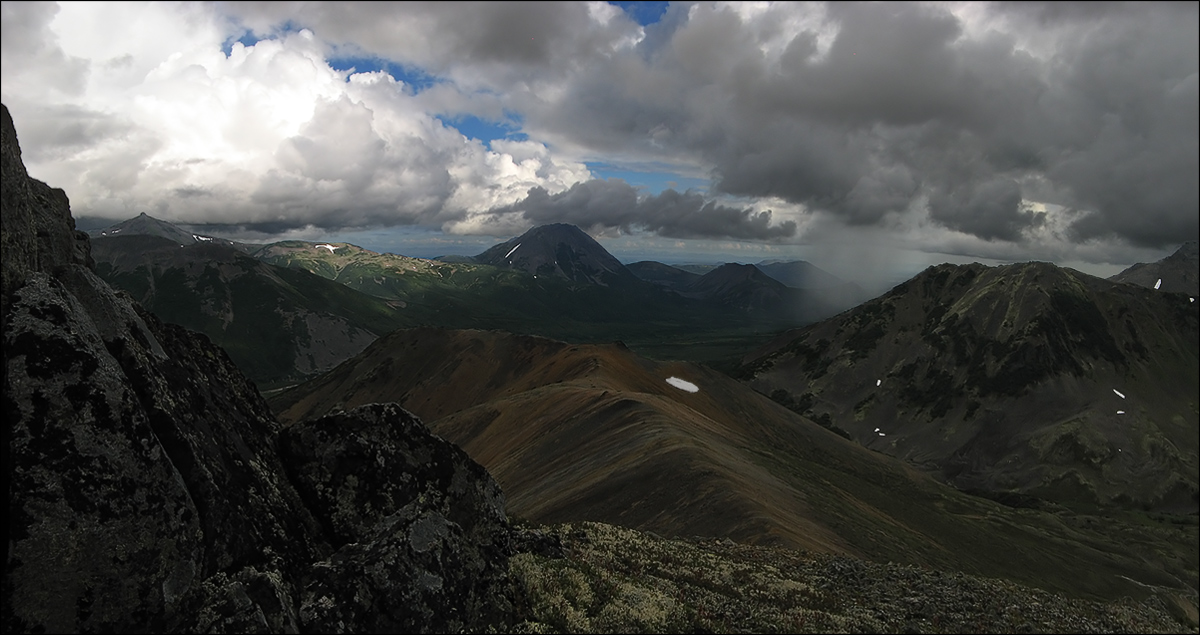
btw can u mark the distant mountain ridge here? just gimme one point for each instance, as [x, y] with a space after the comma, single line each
[661, 274]
[1178, 273]
[799, 274]
[798, 289]
[405, 291]
[145, 225]
[742, 286]
[280, 325]
[1025, 379]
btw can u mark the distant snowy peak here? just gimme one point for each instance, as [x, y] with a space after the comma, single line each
[146, 225]
[559, 250]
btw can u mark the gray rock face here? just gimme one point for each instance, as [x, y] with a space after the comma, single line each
[38, 233]
[146, 489]
[410, 511]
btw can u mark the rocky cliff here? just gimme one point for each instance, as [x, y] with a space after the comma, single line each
[149, 488]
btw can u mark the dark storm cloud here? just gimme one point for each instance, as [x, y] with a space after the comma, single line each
[1092, 108]
[990, 210]
[56, 131]
[1132, 152]
[503, 37]
[615, 204]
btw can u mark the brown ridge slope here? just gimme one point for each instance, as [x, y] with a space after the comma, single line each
[1023, 380]
[595, 433]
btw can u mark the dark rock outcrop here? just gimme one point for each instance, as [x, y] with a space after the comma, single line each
[38, 233]
[145, 485]
[422, 521]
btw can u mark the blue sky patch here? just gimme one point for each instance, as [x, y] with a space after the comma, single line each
[643, 13]
[485, 130]
[653, 181]
[247, 39]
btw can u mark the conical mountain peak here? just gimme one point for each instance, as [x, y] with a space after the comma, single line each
[558, 250]
[146, 225]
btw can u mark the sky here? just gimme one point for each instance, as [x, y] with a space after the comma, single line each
[869, 139]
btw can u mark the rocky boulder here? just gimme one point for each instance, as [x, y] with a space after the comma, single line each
[410, 511]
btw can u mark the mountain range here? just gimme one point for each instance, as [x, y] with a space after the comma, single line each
[558, 282]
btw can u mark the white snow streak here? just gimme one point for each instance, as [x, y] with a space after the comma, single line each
[331, 248]
[195, 237]
[1118, 393]
[511, 250]
[878, 381]
[1120, 412]
[1158, 284]
[681, 384]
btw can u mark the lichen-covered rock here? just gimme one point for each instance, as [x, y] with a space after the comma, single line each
[423, 537]
[102, 532]
[141, 465]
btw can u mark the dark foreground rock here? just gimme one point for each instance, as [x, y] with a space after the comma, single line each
[146, 490]
[409, 511]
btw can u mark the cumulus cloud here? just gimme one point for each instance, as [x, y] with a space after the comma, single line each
[268, 137]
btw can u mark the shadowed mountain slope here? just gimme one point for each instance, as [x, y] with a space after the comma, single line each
[145, 225]
[279, 325]
[747, 288]
[662, 275]
[1177, 273]
[799, 274]
[741, 286]
[1027, 379]
[597, 433]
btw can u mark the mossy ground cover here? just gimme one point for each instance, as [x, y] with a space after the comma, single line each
[615, 580]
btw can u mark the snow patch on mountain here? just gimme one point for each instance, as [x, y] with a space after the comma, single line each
[683, 384]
